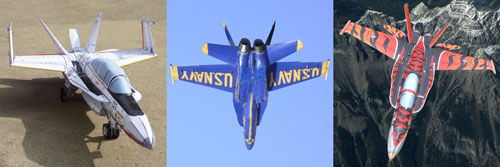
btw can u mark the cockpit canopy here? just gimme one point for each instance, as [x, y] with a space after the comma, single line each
[112, 75]
[118, 84]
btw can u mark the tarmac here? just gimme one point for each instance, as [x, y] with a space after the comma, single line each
[39, 130]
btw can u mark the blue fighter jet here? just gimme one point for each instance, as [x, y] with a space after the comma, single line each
[250, 74]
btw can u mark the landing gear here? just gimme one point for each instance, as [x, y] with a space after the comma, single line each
[62, 95]
[65, 93]
[109, 132]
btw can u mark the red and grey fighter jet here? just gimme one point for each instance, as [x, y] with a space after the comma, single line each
[417, 58]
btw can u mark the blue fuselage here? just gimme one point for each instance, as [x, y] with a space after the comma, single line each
[250, 94]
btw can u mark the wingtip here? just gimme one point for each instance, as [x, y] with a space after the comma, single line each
[493, 67]
[224, 24]
[299, 45]
[173, 73]
[345, 26]
[205, 48]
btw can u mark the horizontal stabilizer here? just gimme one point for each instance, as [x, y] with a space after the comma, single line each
[224, 53]
[279, 51]
[447, 46]
[394, 31]
[283, 74]
[221, 77]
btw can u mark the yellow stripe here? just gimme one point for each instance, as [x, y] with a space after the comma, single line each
[250, 126]
[324, 69]
[174, 73]
[205, 48]
[138, 60]
[299, 45]
[37, 68]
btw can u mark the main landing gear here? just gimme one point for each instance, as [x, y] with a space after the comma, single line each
[65, 93]
[110, 132]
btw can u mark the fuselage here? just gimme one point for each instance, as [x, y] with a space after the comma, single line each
[105, 77]
[412, 78]
[251, 93]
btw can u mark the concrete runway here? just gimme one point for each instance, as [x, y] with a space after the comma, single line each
[37, 129]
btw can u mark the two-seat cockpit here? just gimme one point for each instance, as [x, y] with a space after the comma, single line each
[116, 81]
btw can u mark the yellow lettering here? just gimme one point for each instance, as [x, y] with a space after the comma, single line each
[218, 81]
[192, 76]
[199, 77]
[288, 76]
[228, 78]
[306, 73]
[208, 78]
[296, 75]
[184, 75]
[282, 77]
[271, 82]
[315, 72]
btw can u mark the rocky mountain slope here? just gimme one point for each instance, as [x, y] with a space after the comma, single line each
[460, 122]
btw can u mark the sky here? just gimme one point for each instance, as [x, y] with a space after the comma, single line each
[297, 127]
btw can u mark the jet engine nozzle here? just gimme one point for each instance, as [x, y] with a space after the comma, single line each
[259, 47]
[244, 46]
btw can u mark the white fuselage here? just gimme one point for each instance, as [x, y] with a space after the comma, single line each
[135, 124]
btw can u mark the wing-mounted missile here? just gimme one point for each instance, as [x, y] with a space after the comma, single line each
[447, 46]
[394, 31]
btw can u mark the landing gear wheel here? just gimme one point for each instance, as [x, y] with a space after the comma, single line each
[106, 131]
[62, 95]
[115, 132]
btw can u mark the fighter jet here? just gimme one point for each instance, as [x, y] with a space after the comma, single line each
[250, 74]
[104, 85]
[417, 58]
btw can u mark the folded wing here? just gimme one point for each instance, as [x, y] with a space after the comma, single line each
[220, 77]
[283, 74]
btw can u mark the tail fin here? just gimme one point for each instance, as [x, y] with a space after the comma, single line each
[439, 34]
[270, 36]
[54, 39]
[74, 38]
[11, 44]
[408, 23]
[93, 36]
[228, 35]
[147, 37]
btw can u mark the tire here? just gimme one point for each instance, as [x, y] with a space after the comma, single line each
[106, 131]
[115, 133]
[62, 95]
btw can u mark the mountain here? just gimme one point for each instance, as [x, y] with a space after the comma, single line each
[460, 122]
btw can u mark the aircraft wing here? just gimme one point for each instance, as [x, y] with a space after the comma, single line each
[215, 76]
[51, 62]
[283, 74]
[454, 61]
[54, 62]
[384, 43]
[127, 57]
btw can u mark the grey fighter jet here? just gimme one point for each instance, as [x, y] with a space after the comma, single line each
[105, 86]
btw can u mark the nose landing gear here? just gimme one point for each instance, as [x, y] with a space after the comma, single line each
[110, 132]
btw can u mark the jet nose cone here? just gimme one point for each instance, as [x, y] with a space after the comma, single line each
[391, 156]
[249, 145]
[148, 142]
